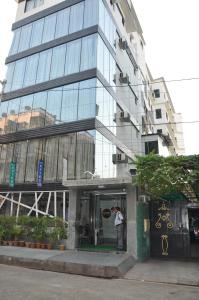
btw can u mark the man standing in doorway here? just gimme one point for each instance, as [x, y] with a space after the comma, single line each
[119, 227]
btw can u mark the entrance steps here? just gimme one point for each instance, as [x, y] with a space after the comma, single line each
[105, 265]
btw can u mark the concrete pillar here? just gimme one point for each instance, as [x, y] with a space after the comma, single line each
[73, 210]
[131, 220]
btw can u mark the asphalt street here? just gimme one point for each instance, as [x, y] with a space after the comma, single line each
[26, 284]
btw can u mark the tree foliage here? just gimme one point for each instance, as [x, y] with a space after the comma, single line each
[160, 176]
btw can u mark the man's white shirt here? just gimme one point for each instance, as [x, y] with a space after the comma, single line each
[118, 218]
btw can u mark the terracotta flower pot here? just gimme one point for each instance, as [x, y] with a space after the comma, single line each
[27, 244]
[62, 247]
[43, 246]
[5, 243]
[38, 245]
[49, 246]
[15, 243]
[32, 245]
[10, 243]
[21, 243]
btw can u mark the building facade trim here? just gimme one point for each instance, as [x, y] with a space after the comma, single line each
[48, 131]
[40, 87]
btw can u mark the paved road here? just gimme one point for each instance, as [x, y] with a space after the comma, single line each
[25, 284]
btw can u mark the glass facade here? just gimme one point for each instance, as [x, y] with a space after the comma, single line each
[77, 17]
[73, 57]
[78, 101]
[84, 151]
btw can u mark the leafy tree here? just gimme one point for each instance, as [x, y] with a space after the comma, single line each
[160, 176]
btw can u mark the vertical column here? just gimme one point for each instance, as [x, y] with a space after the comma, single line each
[131, 220]
[73, 209]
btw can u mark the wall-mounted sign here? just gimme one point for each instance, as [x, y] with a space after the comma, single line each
[40, 173]
[12, 174]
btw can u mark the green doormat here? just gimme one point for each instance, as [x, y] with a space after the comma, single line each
[99, 248]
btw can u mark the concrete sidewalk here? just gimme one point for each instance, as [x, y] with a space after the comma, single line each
[106, 265]
[166, 271]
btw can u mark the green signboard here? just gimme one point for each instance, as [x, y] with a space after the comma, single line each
[12, 174]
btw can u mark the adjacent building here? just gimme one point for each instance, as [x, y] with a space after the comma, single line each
[78, 105]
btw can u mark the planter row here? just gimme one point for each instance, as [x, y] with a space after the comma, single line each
[31, 245]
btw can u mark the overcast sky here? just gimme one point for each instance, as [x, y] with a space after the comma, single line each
[172, 50]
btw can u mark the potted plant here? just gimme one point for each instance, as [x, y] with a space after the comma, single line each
[2, 234]
[16, 231]
[40, 232]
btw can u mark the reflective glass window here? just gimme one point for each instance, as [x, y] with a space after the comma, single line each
[25, 37]
[50, 159]
[19, 153]
[18, 75]
[15, 41]
[87, 102]
[69, 103]
[38, 110]
[62, 22]
[73, 52]
[102, 15]
[25, 111]
[53, 108]
[58, 62]
[31, 70]
[100, 55]
[12, 118]
[43, 71]
[67, 150]
[3, 115]
[49, 28]
[9, 76]
[90, 13]
[89, 52]
[106, 63]
[37, 31]
[33, 151]
[76, 17]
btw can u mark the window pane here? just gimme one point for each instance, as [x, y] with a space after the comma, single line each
[25, 37]
[12, 118]
[44, 66]
[18, 76]
[100, 55]
[50, 159]
[67, 150]
[62, 23]
[87, 99]
[37, 31]
[72, 64]
[34, 149]
[106, 63]
[89, 52]
[19, 156]
[31, 70]
[25, 111]
[90, 13]
[69, 103]
[76, 17]
[49, 28]
[9, 158]
[30, 4]
[15, 42]
[53, 110]
[38, 110]
[102, 15]
[3, 153]
[3, 115]
[9, 76]
[58, 60]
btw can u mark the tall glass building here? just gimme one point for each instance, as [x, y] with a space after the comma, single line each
[70, 116]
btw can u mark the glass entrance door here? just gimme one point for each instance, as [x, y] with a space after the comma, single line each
[96, 222]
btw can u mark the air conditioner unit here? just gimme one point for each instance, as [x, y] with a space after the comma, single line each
[119, 158]
[124, 116]
[123, 44]
[144, 198]
[124, 78]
